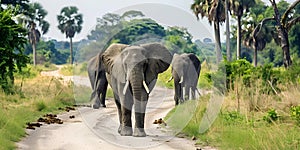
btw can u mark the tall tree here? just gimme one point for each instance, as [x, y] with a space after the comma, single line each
[34, 17]
[252, 38]
[214, 10]
[131, 14]
[12, 41]
[228, 54]
[70, 23]
[283, 22]
[238, 8]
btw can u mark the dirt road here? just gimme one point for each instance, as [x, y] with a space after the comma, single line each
[97, 129]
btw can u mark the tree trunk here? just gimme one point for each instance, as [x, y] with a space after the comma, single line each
[255, 57]
[71, 51]
[34, 53]
[218, 42]
[227, 32]
[284, 42]
[238, 41]
[283, 36]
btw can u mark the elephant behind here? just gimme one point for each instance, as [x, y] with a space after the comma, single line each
[96, 73]
[185, 72]
[132, 72]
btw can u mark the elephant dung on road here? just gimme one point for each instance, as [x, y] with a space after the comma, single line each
[185, 72]
[132, 72]
[96, 73]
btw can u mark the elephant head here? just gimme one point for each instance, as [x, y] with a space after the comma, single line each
[132, 72]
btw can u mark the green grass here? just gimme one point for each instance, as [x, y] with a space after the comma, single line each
[37, 96]
[238, 130]
[164, 77]
[67, 70]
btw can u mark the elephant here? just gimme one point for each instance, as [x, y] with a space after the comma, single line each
[185, 72]
[96, 73]
[132, 72]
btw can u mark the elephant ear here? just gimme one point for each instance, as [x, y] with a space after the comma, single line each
[112, 61]
[195, 61]
[159, 59]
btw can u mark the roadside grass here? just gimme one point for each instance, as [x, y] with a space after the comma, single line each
[35, 96]
[75, 69]
[164, 77]
[67, 70]
[259, 121]
[203, 82]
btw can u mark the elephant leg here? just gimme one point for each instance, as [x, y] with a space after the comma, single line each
[193, 90]
[177, 93]
[100, 89]
[187, 93]
[118, 104]
[103, 94]
[140, 109]
[126, 107]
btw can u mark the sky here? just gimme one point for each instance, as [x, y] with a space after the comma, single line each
[165, 12]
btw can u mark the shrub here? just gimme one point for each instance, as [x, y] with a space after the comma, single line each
[40, 105]
[271, 116]
[295, 113]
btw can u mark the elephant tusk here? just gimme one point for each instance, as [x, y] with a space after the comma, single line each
[171, 78]
[181, 80]
[125, 87]
[146, 87]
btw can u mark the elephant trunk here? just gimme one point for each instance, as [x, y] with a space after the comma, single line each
[139, 96]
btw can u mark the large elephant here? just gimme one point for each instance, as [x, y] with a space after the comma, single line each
[185, 72]
[132, 72]
[98, 80]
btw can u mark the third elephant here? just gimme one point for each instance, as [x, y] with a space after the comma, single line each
[185, 72]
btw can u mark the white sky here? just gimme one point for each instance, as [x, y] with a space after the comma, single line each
[165, 12]
[168, 13]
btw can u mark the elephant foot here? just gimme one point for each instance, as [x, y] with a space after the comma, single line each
[97, 106]
[125, 131]
[139, 132]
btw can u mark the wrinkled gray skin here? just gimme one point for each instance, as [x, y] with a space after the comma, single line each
[127, 68]
[185, 72]
[98, 81]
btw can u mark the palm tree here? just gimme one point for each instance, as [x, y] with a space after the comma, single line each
[252, 37]
[228, 54]
[238, 8]
[70, 23]
[283, 22]
[214, 11]
[35, 14]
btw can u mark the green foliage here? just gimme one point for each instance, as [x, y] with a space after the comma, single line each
[137, 30]
[69, 21]
[295, 113]
[67, 70]
[12, 40]
[243, 70]
[163, 78]
[113, 28]
[40, 105]
[271, 116]
[233, 117]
